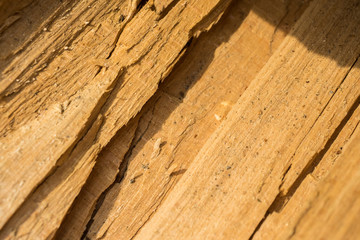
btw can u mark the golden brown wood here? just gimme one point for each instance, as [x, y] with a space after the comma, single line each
[262, 132]
[115, 87]
[179, 119]
[191, 104]
[282, 222]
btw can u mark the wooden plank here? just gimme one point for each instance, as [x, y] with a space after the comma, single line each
[127, 77]
[188, 107]
[263, 131]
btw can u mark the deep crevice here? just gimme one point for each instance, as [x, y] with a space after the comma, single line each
[165, 12]
[121, 173]
[124, 164]
[141, 4]
[91, 120]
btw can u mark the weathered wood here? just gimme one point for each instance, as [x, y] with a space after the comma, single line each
[254, 132]
[190, 105]
[117, 89]
[334, 211]
[43, 211]
[327, 209]
[101, 177]
[289, 209]
[49, 116]
[263, 131]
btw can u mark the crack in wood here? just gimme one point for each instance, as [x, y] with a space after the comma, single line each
[120, 175]
[134, 6]
[168, 8]
[281, 199]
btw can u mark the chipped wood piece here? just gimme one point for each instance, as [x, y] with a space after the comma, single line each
[163, 6]
[263, 131]
[281, 222]
[146, 50]
[58, 112]
[335, 200]
[17, 182]
[182, 117]
[58, 191]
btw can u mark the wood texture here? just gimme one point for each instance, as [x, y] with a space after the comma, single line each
[335, 199]
[283, 221]
[102, 176]
[190, 105]
[179, 119]
[261, 134]
[317, 206]
[81, 94]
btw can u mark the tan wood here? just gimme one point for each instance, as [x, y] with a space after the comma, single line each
[262, 132]
[326, 209]
[179, 119]
[284, 219]
[116, 87]
[336, 199]
[101, 177]
[188, 108]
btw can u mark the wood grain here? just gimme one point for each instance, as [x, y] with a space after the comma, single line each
[261, 134]
[116, 86]
[191, 104]
[179, 119]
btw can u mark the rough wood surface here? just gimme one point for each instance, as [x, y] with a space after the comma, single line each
[179, 119]
[284, 218]
[256, 143]
[335, 199]
[127, 77]
[190, 105]
[101, 177]
[332, 202]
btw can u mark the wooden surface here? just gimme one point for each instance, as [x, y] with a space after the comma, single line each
[83, 94]
[182, 118]
[179, 119]
[260, 137]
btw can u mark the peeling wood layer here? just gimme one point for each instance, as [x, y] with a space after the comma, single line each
[122, 78]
